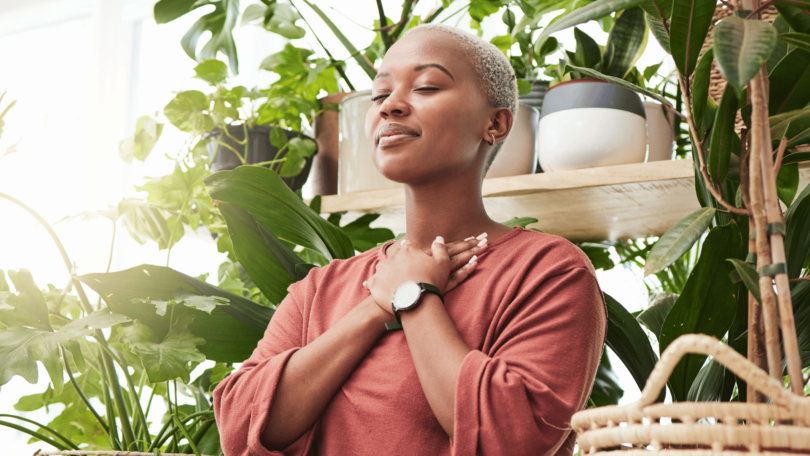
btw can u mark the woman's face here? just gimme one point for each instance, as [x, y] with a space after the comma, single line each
[428, 117]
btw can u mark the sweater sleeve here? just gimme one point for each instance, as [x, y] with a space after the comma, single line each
[518, 395]
[242, 400]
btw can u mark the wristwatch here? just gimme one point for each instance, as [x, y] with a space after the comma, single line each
[407, 297]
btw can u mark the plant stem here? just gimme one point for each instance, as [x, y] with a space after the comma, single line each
[108, 403]
[34, 434]
[118, 396]
[780, 155]
[386, 39]
[433, 16]
[329, 54]
[135, 400]
[407, 9]
[81, 393]
[56, 434]
[698, 150]
[185, 433]
[759, 109]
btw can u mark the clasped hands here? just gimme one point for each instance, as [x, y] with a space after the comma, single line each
[446, 266]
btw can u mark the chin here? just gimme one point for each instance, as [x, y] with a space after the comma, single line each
[396, 164]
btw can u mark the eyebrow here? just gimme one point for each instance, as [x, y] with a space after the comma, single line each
[422, 67]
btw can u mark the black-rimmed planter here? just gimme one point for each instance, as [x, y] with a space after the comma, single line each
[259, 150]
[587, 123]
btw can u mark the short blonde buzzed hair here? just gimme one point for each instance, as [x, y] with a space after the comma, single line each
[495, 74]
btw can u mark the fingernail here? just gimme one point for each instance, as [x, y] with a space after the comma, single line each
[483, 242]
[470, 238]
[402, 242]
[481, 236]
[472, 260]
[440, 239]
[364, 282]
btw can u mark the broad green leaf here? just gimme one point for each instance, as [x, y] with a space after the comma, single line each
[182, 297]
[168, 10]
[741, 47]
[789, 88]
[543, 48]
[606, 389]
[253, 13]
[3, 282]
[220, 23]
[780, 122]
[797, 237]
[524, 87]
[658, 31]
[700, 89]
[591, 11]
[144, 221]
[723, 137]
[280, 18]
[522, 221]
[588, 54]
[707, 304]
[656, 312]
[781, 48]
[261, 192]
[618, 81]
[657, 7]
[298, 151]
[479, 9]
[267, 261]
[363, 236]
[231, 332]
[140, 144]
[187, 112]
[599, 254]
[678, 239]
[796, 157]
[212, 71]
[652, 70]
[626, 338]
[164, 358]
[749, 277]
[29, 306]
[687, 32]
[799, 40]
[713, 383]
[626, 42]
[787, 183]
[796, 17]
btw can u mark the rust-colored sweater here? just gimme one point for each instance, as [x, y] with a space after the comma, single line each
[532, 314]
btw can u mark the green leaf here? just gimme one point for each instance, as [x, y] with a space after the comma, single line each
[780, 122]
[658, 31]
[182, 297]
[261, 192]
[787, 183]
[543, 48]
[707, 304]
[789, 88]
[280, 18]
[269, 263]
[231, 332]
[796, 157]
[212, 71]
[687, 32]
[618, 81]
[524, 87]
[626, 42]
[166, 11]
[626, 338]
[479, 9]
[363, 236]
[799, 40]
[723, 137]
[700, 89]
[164, 358]
[591, 11]
[588, 53]
[781, 48]
[520, 221]
[678, 239]
[296, 156]
[749, 277]
[652, 7]
[220, 23]
[606, 389]
[652, 70]
[797, 237]
[741, 47]
[796, 17]
[144, 221]
[712, 384]
[140, 145]
[599, 254]
[656, 312]
[187, 112]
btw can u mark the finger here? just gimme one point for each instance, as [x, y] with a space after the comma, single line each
[460, 259]
[467, 244]
[364, 284]
[439, 249]
[458, 276]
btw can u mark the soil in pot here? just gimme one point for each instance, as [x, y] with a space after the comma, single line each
[259, 150]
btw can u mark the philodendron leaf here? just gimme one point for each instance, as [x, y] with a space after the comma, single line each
[618, 81]
[687, 32]
[280, 18]
[656, 312]
[212, 71]
[749, 276]
[363, 236]
[182, 297]
[144, 221]
[30, 308]
[165, 359]
[678, 239]
[741, 47]
[187, 112]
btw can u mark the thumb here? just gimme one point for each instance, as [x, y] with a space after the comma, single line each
[439, 249]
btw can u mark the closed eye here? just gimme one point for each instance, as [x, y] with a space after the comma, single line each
[373, 99]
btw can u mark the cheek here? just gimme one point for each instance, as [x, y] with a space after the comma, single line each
[372, 119]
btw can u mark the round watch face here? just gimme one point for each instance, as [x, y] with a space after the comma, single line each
[406, 295]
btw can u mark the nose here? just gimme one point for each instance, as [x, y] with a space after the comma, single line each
[394, 105]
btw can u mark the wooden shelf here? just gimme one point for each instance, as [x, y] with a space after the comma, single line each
[594, 204]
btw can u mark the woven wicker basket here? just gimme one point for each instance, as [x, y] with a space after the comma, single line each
[716, 428]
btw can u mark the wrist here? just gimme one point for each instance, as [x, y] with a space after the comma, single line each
[375, 315]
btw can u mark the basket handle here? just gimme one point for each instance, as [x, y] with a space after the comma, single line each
[723, 354]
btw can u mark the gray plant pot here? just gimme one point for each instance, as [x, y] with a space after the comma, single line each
[259, 150]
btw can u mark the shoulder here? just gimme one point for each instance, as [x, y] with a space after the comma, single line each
[553, 254]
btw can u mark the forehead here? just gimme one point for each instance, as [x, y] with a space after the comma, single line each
[429, 47]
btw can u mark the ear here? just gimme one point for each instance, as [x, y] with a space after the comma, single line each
[500, 123]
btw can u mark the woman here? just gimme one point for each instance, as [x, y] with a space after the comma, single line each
[497, 365]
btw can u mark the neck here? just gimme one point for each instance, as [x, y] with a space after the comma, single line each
[450, 208]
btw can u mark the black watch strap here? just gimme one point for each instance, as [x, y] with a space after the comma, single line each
[428, 288]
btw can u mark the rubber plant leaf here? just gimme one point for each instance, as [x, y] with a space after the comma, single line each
[700, 90]
[164, 358]
[789, 83]
[707, 304]
[796, 15]
[723, 137]
[678, 240]
[687, 32]
[262, 193]
[741, 47]
[787, 183]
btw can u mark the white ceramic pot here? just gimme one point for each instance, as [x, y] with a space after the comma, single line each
[356, 169]
[587, 123]
[660, 132]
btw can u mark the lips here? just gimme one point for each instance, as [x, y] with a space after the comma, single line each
[392, 134]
